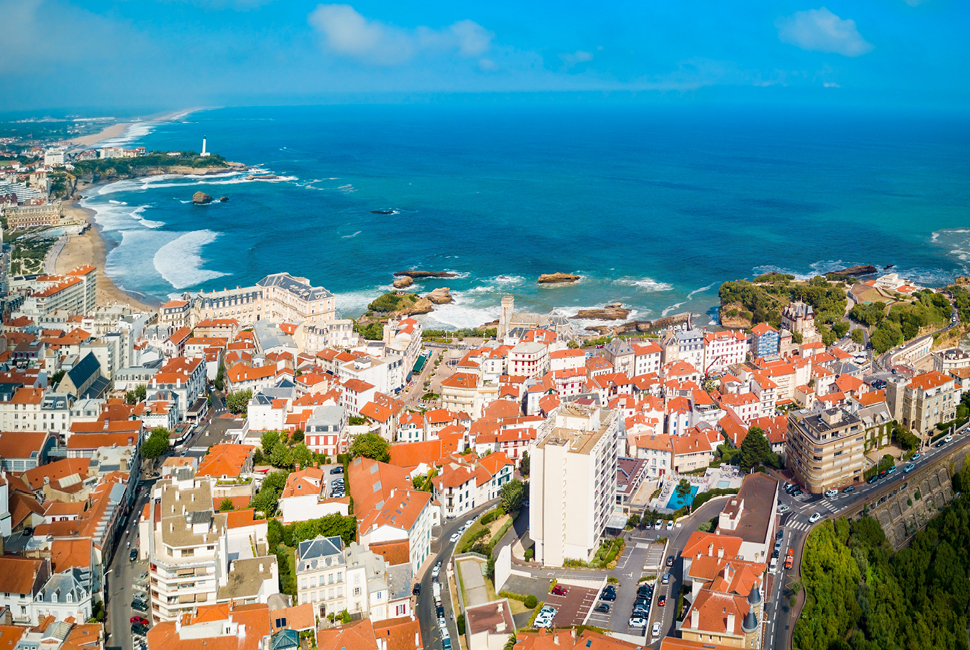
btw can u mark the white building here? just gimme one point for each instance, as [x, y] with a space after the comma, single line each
[573, 483]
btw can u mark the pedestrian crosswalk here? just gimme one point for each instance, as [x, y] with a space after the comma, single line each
[798, 525]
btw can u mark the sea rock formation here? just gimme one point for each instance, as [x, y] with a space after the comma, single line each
[417, 275]
[201, 198]
[440, 296]
[962, 281]
[420, 306]
[863, 269]
[223, 199]
[613, 311]
[403, 282]
[558, 278]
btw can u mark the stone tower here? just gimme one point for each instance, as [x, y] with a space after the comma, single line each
[752, 620]
[505, 319]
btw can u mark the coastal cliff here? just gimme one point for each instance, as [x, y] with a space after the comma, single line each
[89, 172]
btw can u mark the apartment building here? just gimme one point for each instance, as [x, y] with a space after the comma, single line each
[826, 450]
[573, 483]
[922, 402]
[277, 298]
[724, 349]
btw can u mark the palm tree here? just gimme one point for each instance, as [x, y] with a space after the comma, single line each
[683, 490]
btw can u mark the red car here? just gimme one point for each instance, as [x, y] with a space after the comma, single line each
[661, 601]
[140, 620]
[559, 590]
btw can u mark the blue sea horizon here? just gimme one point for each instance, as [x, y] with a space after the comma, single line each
[654, 207]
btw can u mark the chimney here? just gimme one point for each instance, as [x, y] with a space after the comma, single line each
[710, 548]
[720, 552]
[695, 619]
[730, 623]
[417, 637]
[555, 638]
[727, 572]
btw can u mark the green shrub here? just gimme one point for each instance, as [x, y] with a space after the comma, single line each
[530, 601]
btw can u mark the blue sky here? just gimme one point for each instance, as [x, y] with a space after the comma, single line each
[176, 53]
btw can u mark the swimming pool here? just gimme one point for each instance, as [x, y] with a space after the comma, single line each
[676, 503]
[723, 484]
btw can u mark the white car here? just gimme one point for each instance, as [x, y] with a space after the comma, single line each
[655, 633]
[469, 523]
[543, 621]
[948, 439]
[670, 525]
[658, 524]
[782, 509]
[636, 621]
[817, 517]
[454, 538]
[831, 493]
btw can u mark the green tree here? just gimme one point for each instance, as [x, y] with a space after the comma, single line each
[370, 445]
[683, 487]
[237, 402]
[512, 494]
[226, 505]
[525, 464]
[136, 395]
[302, 456]
[281, 455]
[268, 440]
[157, 443]
[858, 336]
[756, 449]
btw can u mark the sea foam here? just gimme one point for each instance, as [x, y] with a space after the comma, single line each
[180, 261]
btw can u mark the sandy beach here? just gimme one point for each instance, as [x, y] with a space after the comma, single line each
[113, 131]
[89, 248]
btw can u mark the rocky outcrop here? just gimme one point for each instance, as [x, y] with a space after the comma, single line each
[440, 296]
[734, 316]
[558, 278]
[201, 198]
[863, 269]
[962, 281]
[223, 199]
[403, 282]
[417, 275]
[613, 311]
[420, 306]
[633, 326]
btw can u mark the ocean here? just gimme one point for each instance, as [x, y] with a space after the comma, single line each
[654, 206]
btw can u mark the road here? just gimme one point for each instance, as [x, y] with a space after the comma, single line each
[797, 526]
[121, 576]
[425, 606]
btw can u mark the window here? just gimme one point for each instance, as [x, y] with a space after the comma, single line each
[356, 591]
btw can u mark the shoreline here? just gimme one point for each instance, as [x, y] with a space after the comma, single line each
[90, 248]
[119, 129]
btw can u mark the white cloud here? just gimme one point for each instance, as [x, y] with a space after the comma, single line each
[347, 33]
[570, 59]
[820, 30]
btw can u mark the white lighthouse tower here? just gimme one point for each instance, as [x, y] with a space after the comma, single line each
[204, 153]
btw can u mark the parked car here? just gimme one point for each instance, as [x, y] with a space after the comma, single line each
[815, 518]
[670, 525]
[909, 468]
[454, 538]
[608, 595]
[916, 457]
[655, 633]
[661, 601]
[949, 438]
[657, 525]
[779, 534]
[133, 555]
[602, 608]
[891, 470]
[446, 643]
[560, 590]
[782, 509]
[873, 479]
[940, 444]
[666, 579]
[831, 493]
[851, 488]
[636, 621]
[140, 620]
[417, 590]
[797, 492]
[337, 470]
[670, 560]
[139, 605]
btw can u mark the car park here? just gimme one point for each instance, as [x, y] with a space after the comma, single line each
[815, 518]
[655, 633]
[909, 468]
[636, 621]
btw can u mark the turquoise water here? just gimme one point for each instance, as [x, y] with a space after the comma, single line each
[654, 207]
[676, 503]
[723, 484]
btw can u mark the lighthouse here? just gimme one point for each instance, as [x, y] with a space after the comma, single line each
[204, 153]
